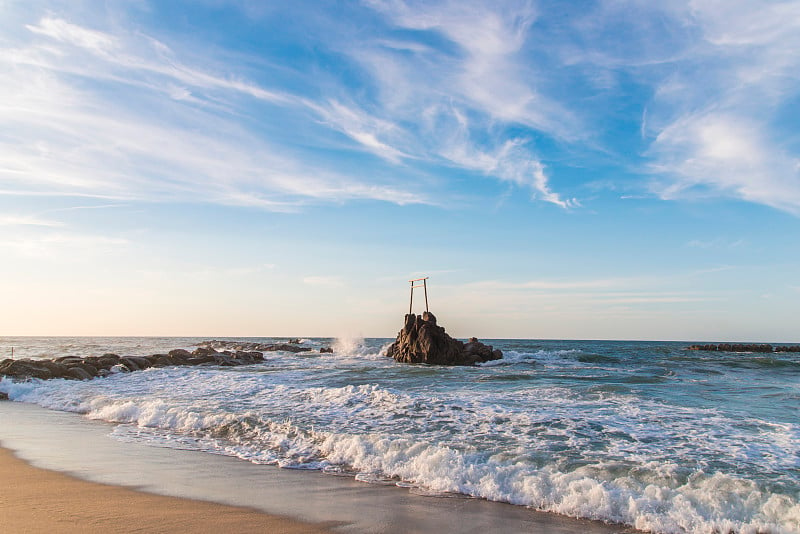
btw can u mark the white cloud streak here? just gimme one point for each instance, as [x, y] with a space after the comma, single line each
[88, 113]
[717, 130]
[451, 100]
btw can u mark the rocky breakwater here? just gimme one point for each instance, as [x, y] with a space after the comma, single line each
[746, 347]
[293, 345]
[423, 341]
[77, 368]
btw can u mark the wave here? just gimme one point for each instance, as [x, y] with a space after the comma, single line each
[743, 361]
[433, 443]
[512, 357]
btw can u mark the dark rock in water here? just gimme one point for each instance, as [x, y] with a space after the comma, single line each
[68, 359]
[89, 369]
[423, 341]
[324, 350]
[200, 360]
[178, 356]
[25, 369]
[248, 356]
[291, 346]
[75, 367]
[3, 396]
[78, 374]
[57, 370]
[164, 360]
[142, 363]
[107, 361]
[285, 347]
[130, 364]
[744, 347]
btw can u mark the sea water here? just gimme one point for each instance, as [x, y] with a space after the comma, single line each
[647, 434]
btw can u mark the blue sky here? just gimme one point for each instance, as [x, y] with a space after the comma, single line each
[584, 170]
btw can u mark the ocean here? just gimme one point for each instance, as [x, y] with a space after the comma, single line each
[645, 434]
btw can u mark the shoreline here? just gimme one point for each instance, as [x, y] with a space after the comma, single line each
[83, 451]
[39, 500]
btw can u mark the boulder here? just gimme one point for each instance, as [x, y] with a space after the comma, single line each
[324, 350]
[57, 370]
[130, 363]
[3, 396]
[422, 340]
[89, 369]
[107, 361]
[69, 359]
[248, 356]
[199, 360]
[25, 369]
[179, 356]
[285, 347]
[77, 373]
[225, 360]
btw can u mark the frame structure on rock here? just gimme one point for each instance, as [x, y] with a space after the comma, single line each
[424, 286]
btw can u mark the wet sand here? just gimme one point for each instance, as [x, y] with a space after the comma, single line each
[36, 500]
[104, 484]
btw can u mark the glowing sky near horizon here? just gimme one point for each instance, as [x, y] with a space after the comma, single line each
[584, 170]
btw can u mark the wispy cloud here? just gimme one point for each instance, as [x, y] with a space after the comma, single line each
[453, 99]
[93, 114]
[716, 128]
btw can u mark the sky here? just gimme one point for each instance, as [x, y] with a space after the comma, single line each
[560, 170]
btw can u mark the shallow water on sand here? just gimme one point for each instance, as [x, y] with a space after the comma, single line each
[642, 433]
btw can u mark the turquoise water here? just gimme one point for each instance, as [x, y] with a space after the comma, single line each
[642, 433]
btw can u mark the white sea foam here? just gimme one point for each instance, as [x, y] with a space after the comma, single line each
[512, 357]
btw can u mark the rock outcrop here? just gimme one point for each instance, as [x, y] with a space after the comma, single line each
[746, 347]
[77, 368]
[423, 341]
[291, 346]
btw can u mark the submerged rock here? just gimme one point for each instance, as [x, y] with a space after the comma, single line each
[423, 341]
[291, 346]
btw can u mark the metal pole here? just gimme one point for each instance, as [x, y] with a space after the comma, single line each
[425, 287]
[411, 302]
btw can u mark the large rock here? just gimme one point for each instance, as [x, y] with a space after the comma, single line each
[25, 369]
[423, 341]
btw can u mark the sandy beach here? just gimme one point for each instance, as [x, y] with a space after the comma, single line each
[80, 474]
[37, 500]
